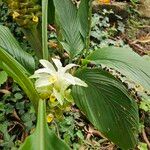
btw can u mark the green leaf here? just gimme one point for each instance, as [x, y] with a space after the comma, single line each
[44, 29]
[84, 15]
[34, 37]
[126, 62]
[19, 74]
[51, 12]
[66, 17]
[108, 106]
[142, 146]
[3, 77]
[74, 24]
[43, 138]
[9, 43]
[145, 105]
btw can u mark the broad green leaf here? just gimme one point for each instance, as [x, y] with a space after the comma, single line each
[44, 29]
[3, 77]
[43, 138]
[126, 61]
[19, 74]
[108, 106]
[84, 15]
[66, 17]
[9, 43]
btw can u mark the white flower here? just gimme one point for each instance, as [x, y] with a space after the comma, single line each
[58, 79]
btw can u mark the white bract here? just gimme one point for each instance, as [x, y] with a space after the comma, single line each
[55, 82]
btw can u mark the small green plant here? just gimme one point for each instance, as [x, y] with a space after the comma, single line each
[103, 31]
[17, 116]
[3, 77]
[77, 77]
[134, 1]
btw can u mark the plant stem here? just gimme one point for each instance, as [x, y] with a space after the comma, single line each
[44, 29]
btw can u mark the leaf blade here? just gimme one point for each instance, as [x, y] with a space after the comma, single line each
[84, 15]
[3, 77]
[69, 26]
[125, 61]
[108, 106]
[20, 74]
[9, 43]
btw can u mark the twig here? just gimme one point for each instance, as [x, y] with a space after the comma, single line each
[136, 47]
[4, 91]
[91, 132]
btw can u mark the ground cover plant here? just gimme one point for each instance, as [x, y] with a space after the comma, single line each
[70, 72]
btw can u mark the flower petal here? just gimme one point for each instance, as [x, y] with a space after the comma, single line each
[44, 70]
[80, 82]
[37, 75]
[47, 65]
[69, 67]
[58, 63]
[42, 82]
[69, 78]
[58, 96]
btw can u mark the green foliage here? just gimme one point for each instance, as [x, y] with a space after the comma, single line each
[108, 106]
[19, 74]
[125, 61]
[104, 31]
[142, 146]
[105, 101]
[17, 117]
[27, 14]
[9, 43]
[77, 132]
[69, 129]
[43, 138]
[145, 105]
[3, 77]
[51, 12]
[84, 15]
[134, 1]
[69, 22]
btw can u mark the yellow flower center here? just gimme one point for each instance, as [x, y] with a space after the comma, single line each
[52, 79]
[15, 14]
[35, 19]
[50, 118]
[52, 98]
